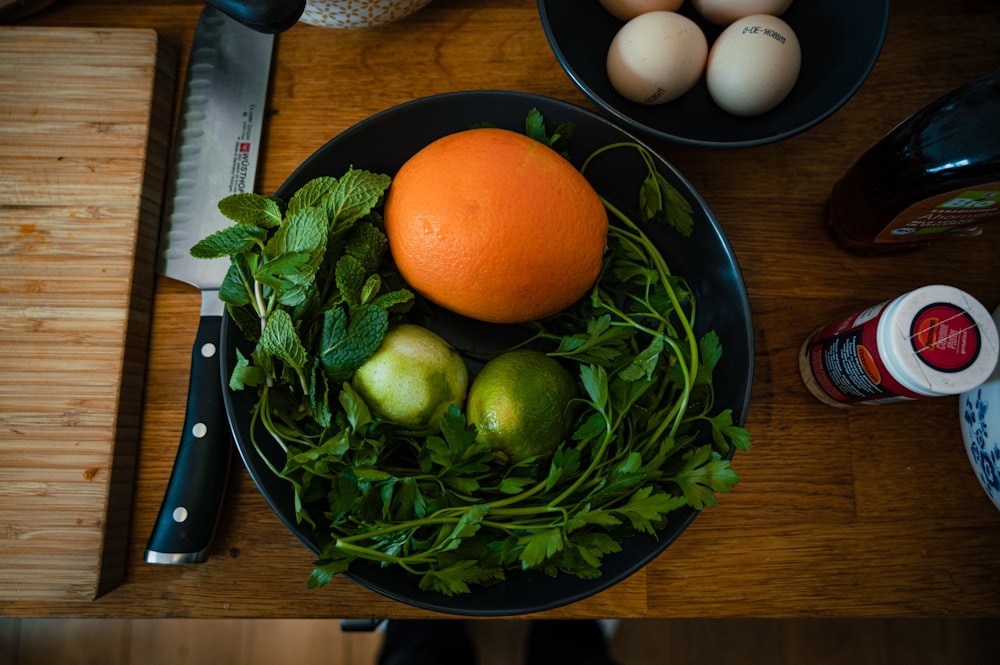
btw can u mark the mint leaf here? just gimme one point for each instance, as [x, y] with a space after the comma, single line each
[293, 255]
[313, 194]
[355, 408]
[244, 374]
[236, 289]
[284, 274]
[350, 337]
[368, 245]
[302, 232]
[356, 272]
[392, 299]
[252, 209]
[356, 194]
[234, 239]
[350, 276]
[319, 397]
[280, 341]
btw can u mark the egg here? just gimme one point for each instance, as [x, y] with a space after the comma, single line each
[656, 57]
[753, 65]
[724, 12]
[624, 10]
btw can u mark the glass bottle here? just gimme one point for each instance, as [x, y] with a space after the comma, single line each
[936, 174]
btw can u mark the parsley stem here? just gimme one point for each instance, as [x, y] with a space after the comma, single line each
[397, 527]
[377, 555]
[520, 496]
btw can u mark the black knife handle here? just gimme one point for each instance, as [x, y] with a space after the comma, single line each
[267, 16]
[191, 504]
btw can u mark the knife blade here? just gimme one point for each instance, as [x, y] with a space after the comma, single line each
[215, 154]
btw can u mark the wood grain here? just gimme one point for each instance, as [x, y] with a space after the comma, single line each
[84, 141]
[638, 642]
[872, 511]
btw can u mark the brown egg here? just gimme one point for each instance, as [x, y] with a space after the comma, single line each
[753, 65]
[724, 12]
[625, 10]
[656, 57]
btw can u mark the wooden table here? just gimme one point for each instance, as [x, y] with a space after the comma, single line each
[872, 511]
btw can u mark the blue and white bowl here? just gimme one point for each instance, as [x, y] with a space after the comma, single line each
[979, 410]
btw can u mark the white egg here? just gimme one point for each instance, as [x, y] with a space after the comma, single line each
[656, 57]
[724, 12]
[753, 65]
[624, 10]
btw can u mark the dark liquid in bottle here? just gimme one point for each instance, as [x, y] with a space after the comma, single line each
[936, 174]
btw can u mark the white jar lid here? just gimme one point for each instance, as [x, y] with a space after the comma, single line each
[938, 340]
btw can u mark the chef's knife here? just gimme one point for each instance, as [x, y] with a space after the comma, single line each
[218, 141]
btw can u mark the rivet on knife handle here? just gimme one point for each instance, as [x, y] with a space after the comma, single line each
[183, 531]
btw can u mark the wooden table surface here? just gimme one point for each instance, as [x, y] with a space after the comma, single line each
[871, 511]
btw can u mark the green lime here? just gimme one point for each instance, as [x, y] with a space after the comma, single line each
[412, 378]
[520, 404]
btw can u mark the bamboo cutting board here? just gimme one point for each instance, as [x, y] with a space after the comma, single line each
[85, 118]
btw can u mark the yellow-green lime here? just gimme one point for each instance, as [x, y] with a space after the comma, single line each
[520, 403]
[412, 378]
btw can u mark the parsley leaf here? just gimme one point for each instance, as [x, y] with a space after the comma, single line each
[704, 474]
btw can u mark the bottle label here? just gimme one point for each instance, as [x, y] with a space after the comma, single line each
[957, 212]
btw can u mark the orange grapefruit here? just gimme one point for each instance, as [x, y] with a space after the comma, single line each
[496, 226]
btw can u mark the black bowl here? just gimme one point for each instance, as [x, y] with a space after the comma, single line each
[382, 143]
[840, 40]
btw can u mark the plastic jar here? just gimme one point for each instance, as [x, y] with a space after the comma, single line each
[934, 341]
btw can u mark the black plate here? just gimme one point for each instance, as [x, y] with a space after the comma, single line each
[840, 40]
[382, 143]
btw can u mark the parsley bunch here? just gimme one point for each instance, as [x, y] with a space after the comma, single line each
[312, 284]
